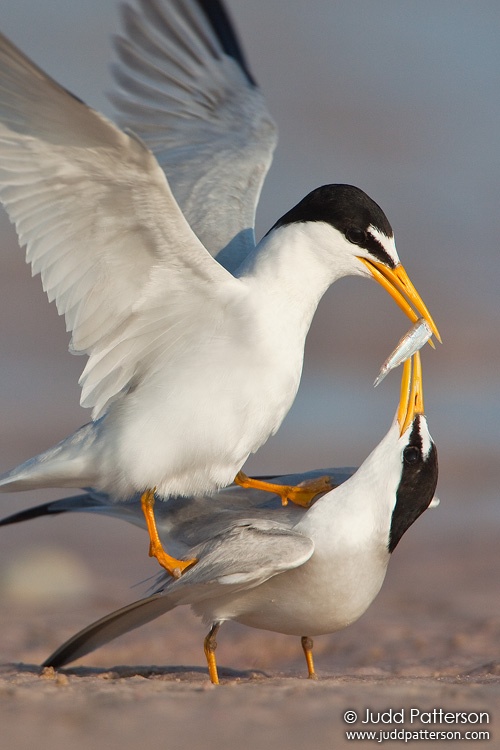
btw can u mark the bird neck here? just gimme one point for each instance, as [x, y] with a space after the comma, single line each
[363, 505]
[294, 265]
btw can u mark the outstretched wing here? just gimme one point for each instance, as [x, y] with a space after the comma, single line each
[175, 515]
[241, 557]
[101, 226]
[186, 90]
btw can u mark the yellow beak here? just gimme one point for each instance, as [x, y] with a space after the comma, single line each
[411, 401]
[397, 282]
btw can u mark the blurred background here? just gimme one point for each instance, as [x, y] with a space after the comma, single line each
[399, 97]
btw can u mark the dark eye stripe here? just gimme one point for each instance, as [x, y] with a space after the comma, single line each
[378, 251]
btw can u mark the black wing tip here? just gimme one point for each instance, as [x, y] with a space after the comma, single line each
[70, 651]
[39, 511]
[56, 660]
[221, 23]
[54, 508]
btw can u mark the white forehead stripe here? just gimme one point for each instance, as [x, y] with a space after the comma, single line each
[381, 237]
[425, 436]
[387, 243]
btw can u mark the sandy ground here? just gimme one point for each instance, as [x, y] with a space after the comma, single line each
[429, 641]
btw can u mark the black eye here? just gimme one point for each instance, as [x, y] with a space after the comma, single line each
[355, 235]
[411, 454]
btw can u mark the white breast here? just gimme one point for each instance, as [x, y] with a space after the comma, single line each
[190, 426]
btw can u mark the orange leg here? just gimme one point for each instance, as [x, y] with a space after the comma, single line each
[209, 645]
[171, 564]
[307, 647]
[303, 494]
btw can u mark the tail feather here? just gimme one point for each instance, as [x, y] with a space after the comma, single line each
[64, 465]
[110, 627]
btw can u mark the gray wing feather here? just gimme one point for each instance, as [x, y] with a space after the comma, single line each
[183, 86]
[244, 553]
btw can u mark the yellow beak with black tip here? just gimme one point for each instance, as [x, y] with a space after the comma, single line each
[411, 401]
[397, 283]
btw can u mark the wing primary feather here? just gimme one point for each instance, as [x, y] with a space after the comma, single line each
[146, 68]
[52, 508]
[150, 46]
[110, 627]
[224, 29]
[183, 85]
[190, 36]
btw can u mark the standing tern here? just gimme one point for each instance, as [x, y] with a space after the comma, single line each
[194, 334]
[291, 571]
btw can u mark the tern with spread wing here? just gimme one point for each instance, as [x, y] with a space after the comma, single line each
[293, 571]
[144, 238]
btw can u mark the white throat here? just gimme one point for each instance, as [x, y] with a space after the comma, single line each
[295, 264]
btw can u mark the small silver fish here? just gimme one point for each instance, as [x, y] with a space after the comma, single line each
[411, 342]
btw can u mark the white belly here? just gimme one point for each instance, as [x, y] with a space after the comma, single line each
[317, 598]
[189, 429]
